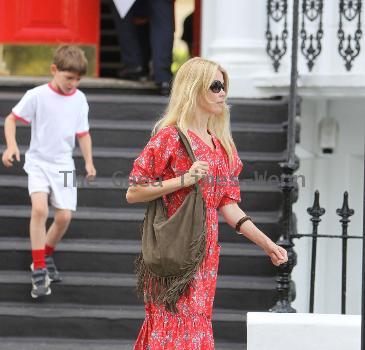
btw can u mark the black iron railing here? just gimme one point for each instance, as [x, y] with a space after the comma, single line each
[316, 212]
[363, 272]
[311, 47]
[277, 13]
[349, 32]
[285, 286]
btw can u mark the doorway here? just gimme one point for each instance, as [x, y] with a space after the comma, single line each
[110, 57]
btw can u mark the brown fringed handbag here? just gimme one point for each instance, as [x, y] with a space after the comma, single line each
[172, 248]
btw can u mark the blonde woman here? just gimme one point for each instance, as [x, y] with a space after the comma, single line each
[198, 107]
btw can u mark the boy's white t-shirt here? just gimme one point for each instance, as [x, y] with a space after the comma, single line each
[56, 120]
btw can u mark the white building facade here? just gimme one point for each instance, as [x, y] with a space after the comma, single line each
[233, 34]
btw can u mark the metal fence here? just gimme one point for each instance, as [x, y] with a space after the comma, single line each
[316, 212]
[311, 30]
[348, 49]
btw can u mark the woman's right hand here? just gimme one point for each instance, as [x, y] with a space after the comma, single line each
[197, 171]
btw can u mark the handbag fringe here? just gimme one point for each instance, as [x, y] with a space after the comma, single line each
[168, 290]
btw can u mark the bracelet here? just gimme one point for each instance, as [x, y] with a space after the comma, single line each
[241, 221]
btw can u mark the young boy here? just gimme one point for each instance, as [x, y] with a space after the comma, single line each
[57, 112]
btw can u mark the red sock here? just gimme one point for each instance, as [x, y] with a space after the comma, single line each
[38, 259]
[49, 250]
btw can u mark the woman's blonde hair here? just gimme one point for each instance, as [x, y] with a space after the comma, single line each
[193, 80]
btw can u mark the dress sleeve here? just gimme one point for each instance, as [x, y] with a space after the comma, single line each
[151, 163]
[233, 191]
[25, 109]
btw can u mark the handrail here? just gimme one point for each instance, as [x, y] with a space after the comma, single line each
[285, 286]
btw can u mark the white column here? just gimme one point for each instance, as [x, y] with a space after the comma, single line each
[233, 34]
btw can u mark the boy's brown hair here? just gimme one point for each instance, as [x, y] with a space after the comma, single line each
[70, 58]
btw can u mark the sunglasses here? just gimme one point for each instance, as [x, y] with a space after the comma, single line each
[216, 86]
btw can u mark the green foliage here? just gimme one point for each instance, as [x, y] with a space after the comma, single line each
[35, 60]
[180, 56]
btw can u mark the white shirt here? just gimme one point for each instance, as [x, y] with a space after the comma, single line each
[55, 120]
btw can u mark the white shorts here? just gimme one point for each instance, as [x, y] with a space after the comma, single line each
[60, 186]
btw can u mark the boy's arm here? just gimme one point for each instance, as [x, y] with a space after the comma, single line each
[12, 147]
[86, 150]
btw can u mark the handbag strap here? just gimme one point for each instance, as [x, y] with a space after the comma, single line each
[189, 150]
[186, 144]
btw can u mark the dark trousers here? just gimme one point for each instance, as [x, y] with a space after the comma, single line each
[134, 48]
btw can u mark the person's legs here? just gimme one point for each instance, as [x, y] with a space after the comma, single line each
[55, 233]
[63, 198]
[162, 38]
[129, 44]
[40, 279]
[58, 228]
[38, 224]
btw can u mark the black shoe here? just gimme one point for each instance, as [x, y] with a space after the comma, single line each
[132, 73]
[53, 273]
[40, 283]
[164, 88]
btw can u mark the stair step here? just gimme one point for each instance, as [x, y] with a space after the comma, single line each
[132, 153]
[133, 125]
[118, 256]
[107, 105]
[111, 192]
[90, 322]
[122, 133]
[119, 161]
[30, 343]
[111, 65]
[12, 88]
[110, 183]
[110, 56]
[93, 287]
[8, 343]
[108, 223]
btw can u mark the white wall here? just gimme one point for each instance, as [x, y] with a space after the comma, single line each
[331, 175]
[233, 34]
[302, 331]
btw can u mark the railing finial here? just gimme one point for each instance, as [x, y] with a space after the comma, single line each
[315, 210]
[345, 212]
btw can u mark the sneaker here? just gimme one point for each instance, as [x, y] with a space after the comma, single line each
[40, 283]
[53, 273]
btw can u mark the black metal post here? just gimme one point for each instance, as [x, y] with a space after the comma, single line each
[316, 212]
[285, 286]
[292, 112]
[345, 212]
[363, 272]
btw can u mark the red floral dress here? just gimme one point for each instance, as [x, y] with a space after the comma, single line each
[165, 157]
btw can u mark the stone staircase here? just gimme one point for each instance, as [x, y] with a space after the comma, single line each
[95, 307]
[110, 60]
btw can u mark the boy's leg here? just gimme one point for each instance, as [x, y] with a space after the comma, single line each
[55, 233]
[38, 227]
[58, 228]
[40, 279]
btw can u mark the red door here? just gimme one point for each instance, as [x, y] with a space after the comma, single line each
[197, 28]
[50, 22]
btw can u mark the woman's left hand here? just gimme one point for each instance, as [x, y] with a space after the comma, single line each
[277, 254]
